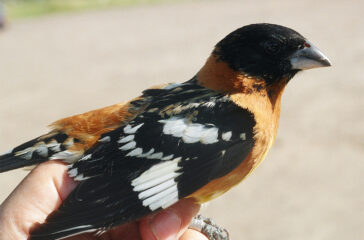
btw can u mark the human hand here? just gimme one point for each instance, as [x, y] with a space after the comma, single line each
[43, 191]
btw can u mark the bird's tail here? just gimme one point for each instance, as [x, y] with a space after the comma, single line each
[51, 146]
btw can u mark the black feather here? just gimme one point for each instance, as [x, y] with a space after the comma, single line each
[9, 161]
[96, 204]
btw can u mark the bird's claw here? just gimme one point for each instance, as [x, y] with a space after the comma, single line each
[209, 228]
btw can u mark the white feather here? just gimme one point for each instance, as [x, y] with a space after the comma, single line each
[151, 151]
[131, 130]
[26, 153]
[190, 133]
[73, 172]
[126, 139]
[210, 136]
[77, 227]
[172, 85]
[169, 157]
[156, 186]
[174, 126]
[105, 139]
[156, 189]
[135, 152]
[243, 136]
[193, 133]
[128, 146]
[159, 196]
[158, 155]
[42, 150]
[158, 180]
[80, 177]
[209, 104]
[165, 200]
[54, 146]
[168, 201]
[226, 136]
[156, 171]
[86, 157]
[68, 156]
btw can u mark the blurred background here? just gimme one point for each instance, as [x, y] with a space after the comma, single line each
[63, 57]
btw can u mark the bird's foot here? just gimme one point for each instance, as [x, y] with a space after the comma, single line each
[209, 228]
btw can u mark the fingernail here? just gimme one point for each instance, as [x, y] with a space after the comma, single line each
[166, 225]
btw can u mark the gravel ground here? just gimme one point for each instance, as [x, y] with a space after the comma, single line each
[311, 184]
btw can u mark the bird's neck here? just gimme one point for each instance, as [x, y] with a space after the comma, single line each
[246, 90]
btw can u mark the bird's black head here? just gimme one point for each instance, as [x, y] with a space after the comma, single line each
[268, 51]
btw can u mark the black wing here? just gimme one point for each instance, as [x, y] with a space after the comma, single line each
[187, 137]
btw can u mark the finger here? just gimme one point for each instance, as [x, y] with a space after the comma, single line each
[169, 224]
[40, 193]
[126, 231]
[191, 234]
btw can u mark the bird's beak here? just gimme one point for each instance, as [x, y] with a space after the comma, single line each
[309, 57]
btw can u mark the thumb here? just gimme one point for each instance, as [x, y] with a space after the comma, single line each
[171, 223]
[39, 194]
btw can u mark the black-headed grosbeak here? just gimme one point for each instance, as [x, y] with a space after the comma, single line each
[195, 139]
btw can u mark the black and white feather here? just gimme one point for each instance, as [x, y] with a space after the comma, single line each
[185, 138]
[53, 145]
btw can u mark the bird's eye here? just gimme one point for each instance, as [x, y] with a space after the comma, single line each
[301, 46]
[272, 46]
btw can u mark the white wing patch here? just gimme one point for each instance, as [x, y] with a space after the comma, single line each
[156, 186]
[190, 132]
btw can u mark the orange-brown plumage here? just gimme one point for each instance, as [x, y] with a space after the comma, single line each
[89, 126]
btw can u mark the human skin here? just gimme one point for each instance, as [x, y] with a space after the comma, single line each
[44, 189]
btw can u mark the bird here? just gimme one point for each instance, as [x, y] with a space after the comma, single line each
[195, 139]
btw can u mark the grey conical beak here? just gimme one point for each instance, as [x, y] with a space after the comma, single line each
[309, 57]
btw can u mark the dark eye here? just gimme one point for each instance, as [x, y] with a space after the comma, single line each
[272, 46]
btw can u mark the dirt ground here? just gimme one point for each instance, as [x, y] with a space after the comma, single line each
[311, 184]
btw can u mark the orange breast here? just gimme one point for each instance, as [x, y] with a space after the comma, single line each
[263, 142]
